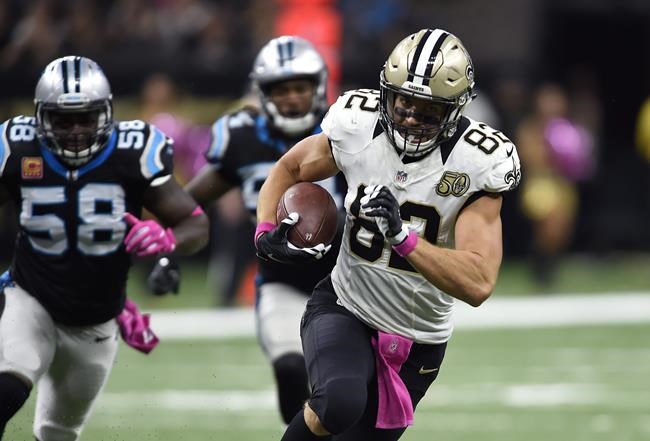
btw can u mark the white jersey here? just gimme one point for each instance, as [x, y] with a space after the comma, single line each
[372, 281]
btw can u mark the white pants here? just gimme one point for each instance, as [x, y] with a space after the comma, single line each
[68, 365]
[279, 312]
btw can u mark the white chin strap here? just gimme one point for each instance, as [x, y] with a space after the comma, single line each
[291, 126]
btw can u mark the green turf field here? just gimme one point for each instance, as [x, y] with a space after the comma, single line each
[561, 384]
[564, 384]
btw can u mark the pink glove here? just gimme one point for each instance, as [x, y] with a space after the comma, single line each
[134, 328]
[148, 238]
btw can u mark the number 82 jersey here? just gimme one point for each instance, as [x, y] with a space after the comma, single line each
[370, 279]
[69, 252]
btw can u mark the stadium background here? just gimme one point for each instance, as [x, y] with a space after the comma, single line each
[580, 379]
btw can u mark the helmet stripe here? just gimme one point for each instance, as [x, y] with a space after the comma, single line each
[77, 74]
[432, 57]
[418, 51]
[285, 51]
[64, 74]
[427, 55]
[290, 49]
[282, 57]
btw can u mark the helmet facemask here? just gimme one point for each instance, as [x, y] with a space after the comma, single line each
[432, 121]
[75, 136]
[293, 122]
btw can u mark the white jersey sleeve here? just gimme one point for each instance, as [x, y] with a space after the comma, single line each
[350, 122]
[498, 163]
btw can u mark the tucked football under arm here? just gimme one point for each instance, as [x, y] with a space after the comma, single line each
[309, 160]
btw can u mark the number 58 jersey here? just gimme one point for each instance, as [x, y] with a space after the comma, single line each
[370, 279]
[69, 253]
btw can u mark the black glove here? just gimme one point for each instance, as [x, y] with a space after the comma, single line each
[165, 277]
[274, 245]
[380, 203]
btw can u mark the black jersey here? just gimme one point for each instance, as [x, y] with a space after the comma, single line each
[243, 149]
[69, 253]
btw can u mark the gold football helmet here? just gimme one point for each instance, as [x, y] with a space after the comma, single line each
[429, 70]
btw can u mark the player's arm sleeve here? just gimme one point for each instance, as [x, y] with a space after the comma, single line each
[348, 129]
[219, 153]
[157, 158]
[5, 149]
[327, 126]
[504, 171]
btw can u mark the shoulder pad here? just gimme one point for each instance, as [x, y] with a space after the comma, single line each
[219, 138]
[494, 156]
[351, 120]
[242, 118]
[15, 132]
[154, 147]
[224, 127]
[5, 149]
[156, 159]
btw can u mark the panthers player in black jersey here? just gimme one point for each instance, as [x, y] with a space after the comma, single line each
[289, 78]
[422, 230]
[79, 181]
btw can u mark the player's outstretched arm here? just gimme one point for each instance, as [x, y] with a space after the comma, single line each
[179, 212]
[470, 271]
[208, 185]
[309, 160]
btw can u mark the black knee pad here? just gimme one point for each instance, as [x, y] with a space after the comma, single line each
[14, 393]
[342, 404]
[293, 387]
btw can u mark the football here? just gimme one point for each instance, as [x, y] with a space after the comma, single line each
[317, 210]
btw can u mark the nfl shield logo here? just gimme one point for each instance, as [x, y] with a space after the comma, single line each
[401, 177]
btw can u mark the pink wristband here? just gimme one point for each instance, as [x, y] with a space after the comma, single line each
[197, 211]
[408, 245]
[262, 228]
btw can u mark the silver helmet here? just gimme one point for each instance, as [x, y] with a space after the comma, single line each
[432, 66]
[288, 58]
[74, 109]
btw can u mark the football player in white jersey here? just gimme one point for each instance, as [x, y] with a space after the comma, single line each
[423, 228]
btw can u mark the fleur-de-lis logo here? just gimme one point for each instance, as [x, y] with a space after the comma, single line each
[513, 177]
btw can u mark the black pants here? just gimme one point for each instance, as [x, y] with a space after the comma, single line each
[341, 365]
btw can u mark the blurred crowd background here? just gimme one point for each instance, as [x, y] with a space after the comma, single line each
[566, 80]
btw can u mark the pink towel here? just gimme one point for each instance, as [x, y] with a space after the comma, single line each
[395, 406]
[134, 328]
